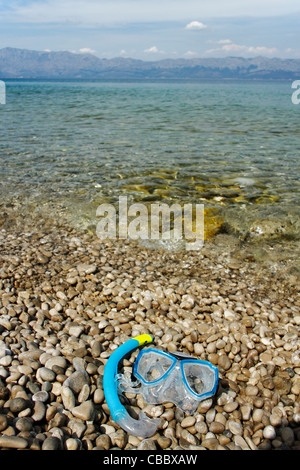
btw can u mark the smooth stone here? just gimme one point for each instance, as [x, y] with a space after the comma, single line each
[3, 422]
[118, 439]
[246, 412]
[201, 427]
[79, 363]
[68, 398]
[275, 420]
[26, 370]
[216, 427]
[59, 361]
[188, 421]
[231, 406]
[39, 411]
[251, 390]
[72, 444]
[282, 385]
[103, 441]
[164, 442]
[96, 349]
[5, 361]
[24, 424]
[257, 415]
[147, 444]
[240, 442]
[287, 435]
[77, 380]
[85, 411]
[224, 362]
[47, 374]
[41, 395]
[235, 427]
[210, 415]
[84, 393]
[98, 396]
[188, 437]
[18, 404]
[51, 443]
[83, 268]
[77, 427]
[269, 432]
[13, 442]
[32, 355]
[211, 443]
[76, 331]
[204, 405]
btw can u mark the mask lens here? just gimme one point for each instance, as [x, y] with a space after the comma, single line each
[152, 366]
[200, 378]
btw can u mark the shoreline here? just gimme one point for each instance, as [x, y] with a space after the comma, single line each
[68, 300]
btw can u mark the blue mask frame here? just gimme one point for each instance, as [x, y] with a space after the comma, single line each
[183, 361]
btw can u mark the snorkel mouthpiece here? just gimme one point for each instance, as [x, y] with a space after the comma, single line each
[144, 426]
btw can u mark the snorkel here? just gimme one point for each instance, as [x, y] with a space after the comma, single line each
[142, 427]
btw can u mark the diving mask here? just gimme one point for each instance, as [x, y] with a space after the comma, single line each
[173, 377]
[161, 377]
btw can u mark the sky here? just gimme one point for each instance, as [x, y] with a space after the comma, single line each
[154, 29]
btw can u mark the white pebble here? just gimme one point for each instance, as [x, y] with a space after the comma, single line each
[269, 432]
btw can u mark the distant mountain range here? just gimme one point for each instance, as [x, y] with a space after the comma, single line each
[22, 63]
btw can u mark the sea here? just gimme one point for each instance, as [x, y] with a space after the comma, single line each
[67, 146]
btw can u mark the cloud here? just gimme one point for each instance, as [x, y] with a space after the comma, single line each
[153, 50]
[228, 47]
[224, 41]
[190, 54]
[86, 50]
[195, 25]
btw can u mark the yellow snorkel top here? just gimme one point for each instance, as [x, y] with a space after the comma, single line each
[143, 339]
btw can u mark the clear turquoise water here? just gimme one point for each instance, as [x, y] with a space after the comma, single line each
[233, 146]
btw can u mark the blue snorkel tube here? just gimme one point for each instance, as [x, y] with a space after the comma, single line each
[142, 427]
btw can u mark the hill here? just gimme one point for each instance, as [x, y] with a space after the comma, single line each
[22, 63]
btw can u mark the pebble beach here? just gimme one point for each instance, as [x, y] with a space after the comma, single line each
[68, 300]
